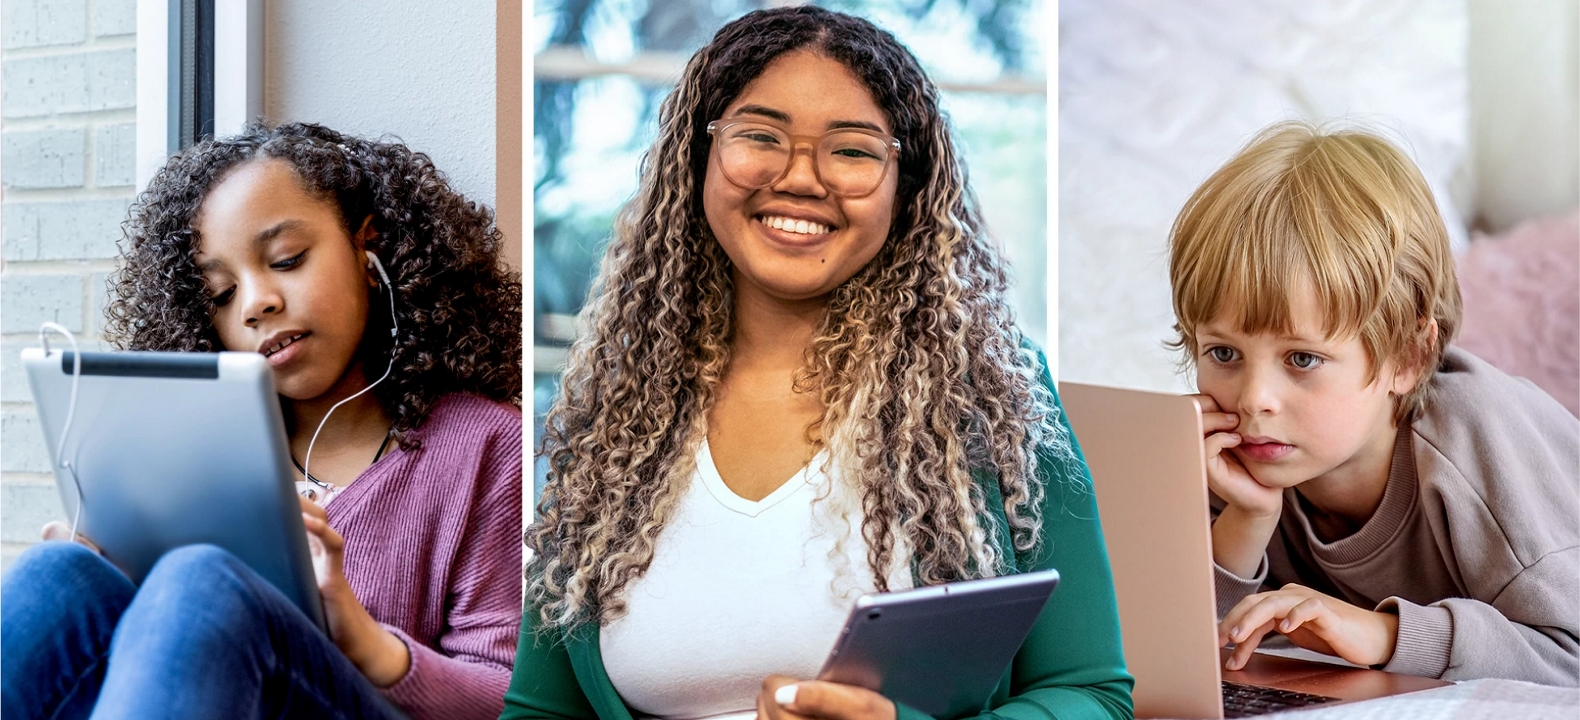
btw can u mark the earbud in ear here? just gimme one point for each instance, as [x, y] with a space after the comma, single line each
[373, 262]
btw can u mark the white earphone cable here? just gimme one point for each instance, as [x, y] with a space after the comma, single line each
[307, 462]
[71, 411]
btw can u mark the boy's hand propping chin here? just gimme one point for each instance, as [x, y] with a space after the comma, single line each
[1225, 475]
[381, 656]
[1311, 620]
[1241, 532]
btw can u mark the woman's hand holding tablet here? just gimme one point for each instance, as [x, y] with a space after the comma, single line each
[939, 649]
[785, 698]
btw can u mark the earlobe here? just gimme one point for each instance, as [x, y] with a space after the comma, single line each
[1404, 379]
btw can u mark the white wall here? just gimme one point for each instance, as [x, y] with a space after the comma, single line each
[420, 70]
[1525, 108]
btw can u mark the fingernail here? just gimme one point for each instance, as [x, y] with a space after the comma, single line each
[785, 695]
[1234, 633]
[1284, 625]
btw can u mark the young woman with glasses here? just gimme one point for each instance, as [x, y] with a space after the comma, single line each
[799, 381]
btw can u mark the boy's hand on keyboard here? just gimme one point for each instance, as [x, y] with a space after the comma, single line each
[1311, 620]
[785, 698]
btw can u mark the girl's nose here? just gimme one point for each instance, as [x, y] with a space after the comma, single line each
[259, 301]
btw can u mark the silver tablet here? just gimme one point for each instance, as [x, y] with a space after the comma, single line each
[940, 649]
[172, 449]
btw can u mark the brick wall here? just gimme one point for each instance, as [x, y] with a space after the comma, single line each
[67, 137]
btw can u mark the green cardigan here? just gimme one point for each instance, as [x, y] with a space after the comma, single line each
[1071, 665]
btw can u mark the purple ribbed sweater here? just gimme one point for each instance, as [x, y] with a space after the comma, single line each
[433, 551]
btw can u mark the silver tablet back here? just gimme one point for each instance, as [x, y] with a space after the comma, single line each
[173, 449]
[939, 649]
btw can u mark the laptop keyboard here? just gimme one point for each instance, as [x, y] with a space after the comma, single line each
[1250, 700]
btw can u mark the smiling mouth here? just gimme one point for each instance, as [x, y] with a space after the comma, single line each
[283, 344]
[792, 225]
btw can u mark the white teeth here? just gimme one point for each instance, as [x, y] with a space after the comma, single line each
[282, 345]
[800, 227]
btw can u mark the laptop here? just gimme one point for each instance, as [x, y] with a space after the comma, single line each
[172, 449]
[1145, 453]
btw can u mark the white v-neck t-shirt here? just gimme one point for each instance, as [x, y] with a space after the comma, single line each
[737, 591]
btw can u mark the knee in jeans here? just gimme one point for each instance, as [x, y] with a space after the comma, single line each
[196, 571]
[199, 560]
[62, 575]
[197, 596]
[58, 554]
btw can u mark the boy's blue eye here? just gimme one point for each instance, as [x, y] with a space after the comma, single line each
[1221, 354]
[289, 262]
[1304, 361]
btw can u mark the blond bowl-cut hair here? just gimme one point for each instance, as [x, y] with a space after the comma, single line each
[1343, 211]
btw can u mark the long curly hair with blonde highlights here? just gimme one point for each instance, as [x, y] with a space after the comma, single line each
[459, 309]
[924, 375]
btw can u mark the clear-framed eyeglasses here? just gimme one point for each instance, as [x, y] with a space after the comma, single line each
[850, 162]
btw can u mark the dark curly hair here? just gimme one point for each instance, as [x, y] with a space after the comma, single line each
[459, 309]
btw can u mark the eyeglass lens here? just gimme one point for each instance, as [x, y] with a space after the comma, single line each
[756, 156]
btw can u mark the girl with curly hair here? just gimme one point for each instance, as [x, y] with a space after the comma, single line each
[798, 381]
[278, 241]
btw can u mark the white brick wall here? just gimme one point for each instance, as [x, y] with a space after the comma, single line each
[31, 23]
[45, 159]
[67, 130]
[72, 82]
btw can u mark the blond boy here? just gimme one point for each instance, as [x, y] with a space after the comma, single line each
[1382, 495]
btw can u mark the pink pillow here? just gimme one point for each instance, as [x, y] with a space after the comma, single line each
[1522, 303]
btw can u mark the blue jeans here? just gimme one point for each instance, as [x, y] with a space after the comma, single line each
[204, 637]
